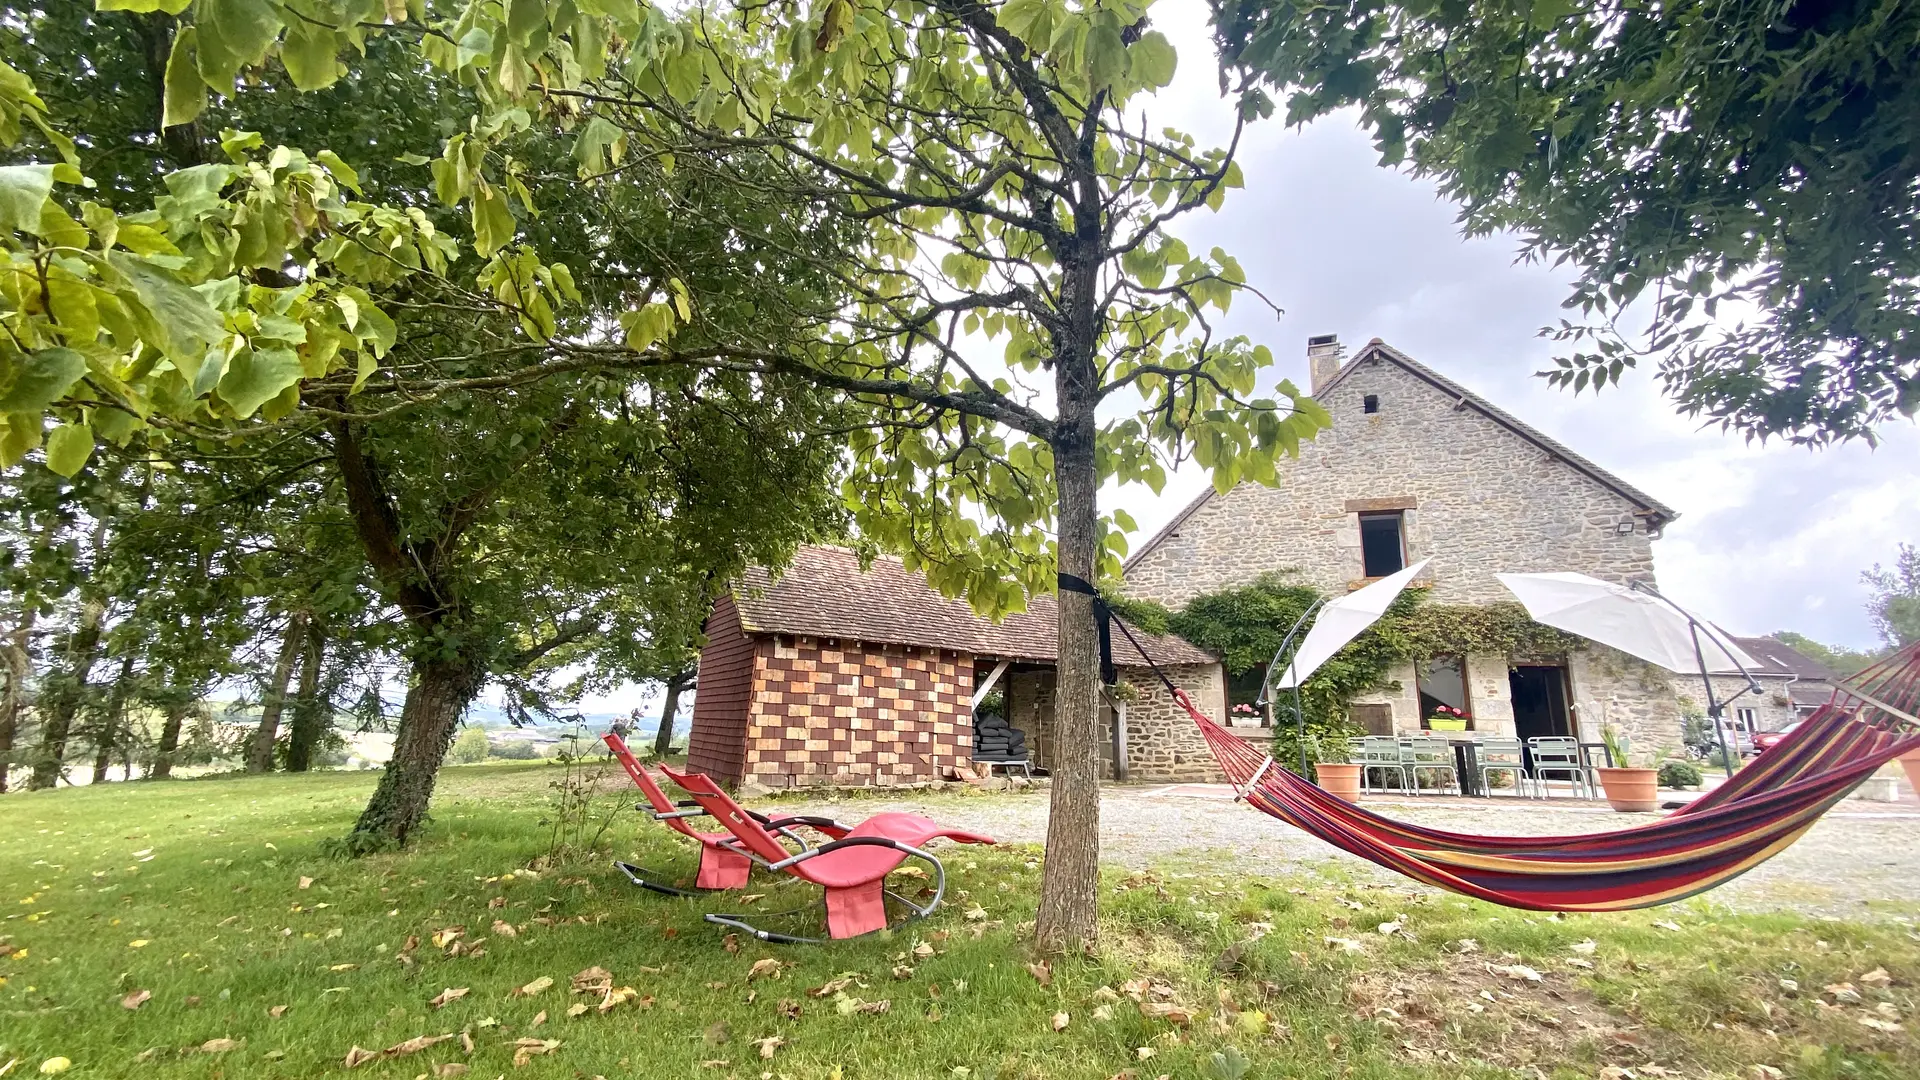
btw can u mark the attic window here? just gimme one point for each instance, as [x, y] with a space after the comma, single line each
[1382, 548]
[1370, 403]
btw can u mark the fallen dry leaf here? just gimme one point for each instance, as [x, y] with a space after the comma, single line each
[976, 913]
[831, 986]
[1042, 972]
[135, 999]
[593, 980]
[902, 971]
[789, 1009]
[525, 1050]
[359, 1056]
[617, 996]
[538, 985]
[731, 943]
[1765, 1072]
[1877, 1024]
[769, 1044]
[412, 943]
[53, 1065]
[416, 1044]
[1876, 978]
[306, 883]
[922, 950]
[450, 994]
[715, 1063]
[218, 1046]
[1103, 1012]
[1345, 944]
[450, 1068]
[496, 903]
[717, 1032]
[277, 1011]
[578, 1008]
[1584, 948]
[445, 936]
[1060, 1021]
[1388, 929]
[1666, 925]
[538, 1019]
[504, 929]
[764, 969]
[1515, 971]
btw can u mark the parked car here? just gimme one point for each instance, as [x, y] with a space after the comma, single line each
[1766, 740]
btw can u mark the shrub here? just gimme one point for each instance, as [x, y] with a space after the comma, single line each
[1679, 774]
[513, 750]
[470, 748]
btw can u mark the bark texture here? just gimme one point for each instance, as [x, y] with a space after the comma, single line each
[273, 704]
[169, 745]
[677, 685]
[60, 701]
[1068, 917]
[440, 693]
[14, 700]
[311, 714]
[111, 734]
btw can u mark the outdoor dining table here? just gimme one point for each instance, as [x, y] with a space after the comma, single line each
[1466, 760]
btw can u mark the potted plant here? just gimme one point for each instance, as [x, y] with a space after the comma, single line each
[1332, 770]
[1448, 718]
[1630, 789]
[1911, 763]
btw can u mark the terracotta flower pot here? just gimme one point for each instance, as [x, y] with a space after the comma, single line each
[1631, 790]
[1911, 763]
[1339, 779]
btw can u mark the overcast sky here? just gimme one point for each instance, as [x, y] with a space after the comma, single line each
[1769, 538]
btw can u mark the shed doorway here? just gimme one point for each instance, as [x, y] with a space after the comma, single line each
[1539, 700]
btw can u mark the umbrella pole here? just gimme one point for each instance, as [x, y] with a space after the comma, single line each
[1273, 666]
[1714, 707]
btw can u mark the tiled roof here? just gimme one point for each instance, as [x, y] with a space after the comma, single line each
[1782, 659]
[826, 594]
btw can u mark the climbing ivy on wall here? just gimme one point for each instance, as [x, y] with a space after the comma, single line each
[1247, 624]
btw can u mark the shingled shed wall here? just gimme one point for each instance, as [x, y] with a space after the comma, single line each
[717, 744]
[827, 712]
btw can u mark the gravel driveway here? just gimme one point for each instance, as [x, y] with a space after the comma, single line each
[1862, 859]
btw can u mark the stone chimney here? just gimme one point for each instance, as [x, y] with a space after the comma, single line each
[1323, 358]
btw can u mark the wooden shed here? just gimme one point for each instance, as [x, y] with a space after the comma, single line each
[834, 675]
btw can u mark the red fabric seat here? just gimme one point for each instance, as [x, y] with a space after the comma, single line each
[852, 869]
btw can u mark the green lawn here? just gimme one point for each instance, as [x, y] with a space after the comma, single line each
[191, 892]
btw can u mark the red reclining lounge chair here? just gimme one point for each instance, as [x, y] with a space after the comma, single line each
[721, 867]
[852, 869]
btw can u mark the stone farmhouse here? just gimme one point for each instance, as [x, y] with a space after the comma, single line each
[837, 674]
[1417, 466]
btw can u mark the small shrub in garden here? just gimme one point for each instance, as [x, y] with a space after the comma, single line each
[1679, 774]
[470, 748]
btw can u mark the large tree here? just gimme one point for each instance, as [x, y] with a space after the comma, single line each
[1745, 169]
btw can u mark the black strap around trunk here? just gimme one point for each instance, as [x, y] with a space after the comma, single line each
[1103, 618]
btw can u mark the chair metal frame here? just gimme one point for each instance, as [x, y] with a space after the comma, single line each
[1563, 756]
[1381, 752]
[1431, 752]
[1517, 764]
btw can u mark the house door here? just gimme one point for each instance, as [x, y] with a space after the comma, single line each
[1539, 700]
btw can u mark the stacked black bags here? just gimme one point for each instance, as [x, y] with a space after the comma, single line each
[994, 740]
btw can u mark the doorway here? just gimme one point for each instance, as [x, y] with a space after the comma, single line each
[1539, 700]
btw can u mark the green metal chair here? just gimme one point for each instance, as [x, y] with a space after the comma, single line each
[1381, 752]
[1559, 755]
[1503, 756]
[1430, 753]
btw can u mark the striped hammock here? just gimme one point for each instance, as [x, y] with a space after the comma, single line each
[1730, 830]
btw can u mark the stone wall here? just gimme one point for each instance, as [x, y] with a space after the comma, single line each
[857, 714]
[1772, 708]
[1162, 743]
[1611, 688]
[1483, 500]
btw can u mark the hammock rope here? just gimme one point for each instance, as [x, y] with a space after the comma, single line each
[1728, 831]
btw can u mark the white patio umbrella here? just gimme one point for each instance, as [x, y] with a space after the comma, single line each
[1640, 622]
[1341, 621]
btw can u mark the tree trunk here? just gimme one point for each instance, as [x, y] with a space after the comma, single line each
[61, 701]
[663, 741]
[260, 750]
[169, 739]
[311, 715]
[440, 693]
[109, 736]
[1068, 915]
[19, 663]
